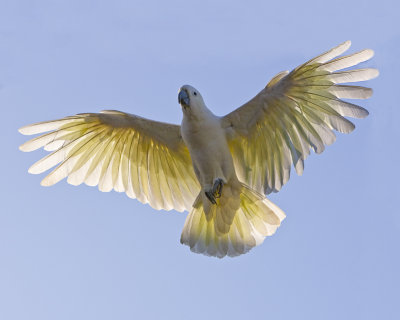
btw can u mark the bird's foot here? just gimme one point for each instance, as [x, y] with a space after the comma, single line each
[217, 188]
[216, 191]
[210, 197]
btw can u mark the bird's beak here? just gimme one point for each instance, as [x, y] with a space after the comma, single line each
[183, 98]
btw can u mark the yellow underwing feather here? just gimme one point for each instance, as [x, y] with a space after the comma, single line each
[114, 150]
[294, 113]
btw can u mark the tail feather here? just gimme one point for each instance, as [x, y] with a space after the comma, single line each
[216, 231]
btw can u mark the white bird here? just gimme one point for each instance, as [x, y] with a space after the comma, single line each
[217, 168]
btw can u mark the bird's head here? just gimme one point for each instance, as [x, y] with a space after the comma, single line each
[190, 98]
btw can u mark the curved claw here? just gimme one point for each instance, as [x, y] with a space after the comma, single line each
[216, 191]
[210, 196]
[217, 188]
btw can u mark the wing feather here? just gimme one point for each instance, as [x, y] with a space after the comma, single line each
[114, 150]
[296, 111]
[330, 54]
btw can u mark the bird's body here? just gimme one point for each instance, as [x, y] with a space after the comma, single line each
[207, 144]
[217, 168]
[206, 140]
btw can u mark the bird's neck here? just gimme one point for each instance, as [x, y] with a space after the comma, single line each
[198, 113]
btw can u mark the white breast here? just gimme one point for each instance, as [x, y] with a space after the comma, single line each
[208, 149]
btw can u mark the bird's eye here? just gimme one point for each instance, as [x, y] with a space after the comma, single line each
[195, 93]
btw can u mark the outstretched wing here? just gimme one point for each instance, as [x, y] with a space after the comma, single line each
[294, 113]
[114, 150]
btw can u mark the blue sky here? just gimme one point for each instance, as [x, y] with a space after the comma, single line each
[76, 253]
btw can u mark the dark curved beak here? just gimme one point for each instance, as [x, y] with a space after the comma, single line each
[183, 98]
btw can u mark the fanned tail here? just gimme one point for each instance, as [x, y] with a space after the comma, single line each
[218, 232]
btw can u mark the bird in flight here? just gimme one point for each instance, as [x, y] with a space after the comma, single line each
[216, 168]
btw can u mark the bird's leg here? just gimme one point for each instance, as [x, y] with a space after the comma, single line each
[216, 191]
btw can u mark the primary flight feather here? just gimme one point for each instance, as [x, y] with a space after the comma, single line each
[217, 168]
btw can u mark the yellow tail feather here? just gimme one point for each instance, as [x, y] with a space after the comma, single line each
[233, 226]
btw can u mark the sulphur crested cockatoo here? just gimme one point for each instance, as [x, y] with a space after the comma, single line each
[217, 168]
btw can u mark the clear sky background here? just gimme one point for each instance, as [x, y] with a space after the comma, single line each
[76, 253]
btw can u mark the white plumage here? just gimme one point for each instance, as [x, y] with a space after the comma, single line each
[217, 168]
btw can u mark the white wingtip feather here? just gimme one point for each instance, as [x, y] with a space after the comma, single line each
[25, 130]
[334, 52]
[23, 148]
